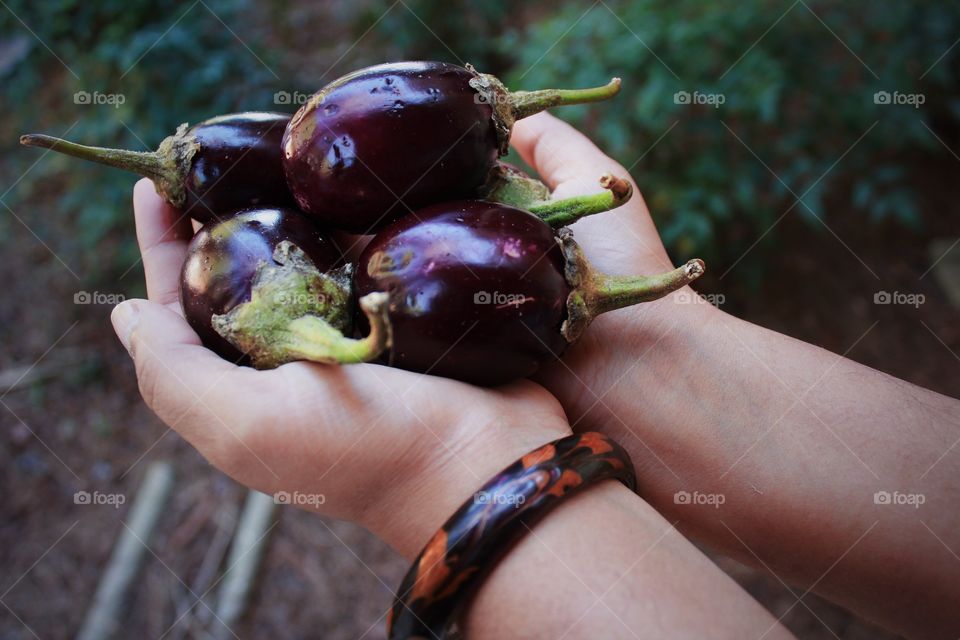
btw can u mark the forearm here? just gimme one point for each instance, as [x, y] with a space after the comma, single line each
[606, 565]
[602, 563]
[797, 440]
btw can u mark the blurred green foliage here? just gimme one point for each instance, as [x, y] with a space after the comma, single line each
[459, 31]
[798, 117]
[171, 61]
[797, 82]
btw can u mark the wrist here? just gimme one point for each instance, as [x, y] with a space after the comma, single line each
[461, 554]
[644, 376]
[407, 513]
[630, 351]
[684, 316]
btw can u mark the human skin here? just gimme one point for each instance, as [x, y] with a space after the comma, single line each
[398, 452]
[796, 439]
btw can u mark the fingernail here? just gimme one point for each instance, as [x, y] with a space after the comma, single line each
[125, 317]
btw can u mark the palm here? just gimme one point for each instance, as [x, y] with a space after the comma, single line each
[312, 423]
[347, 433]
[622, 241]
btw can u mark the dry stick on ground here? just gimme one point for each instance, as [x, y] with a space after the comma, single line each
[249, 544]
[103, 616]
[191, 613]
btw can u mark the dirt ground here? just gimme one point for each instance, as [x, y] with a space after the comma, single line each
[82, 426]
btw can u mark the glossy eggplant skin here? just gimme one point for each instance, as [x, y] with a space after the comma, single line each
[223, 257]
[238, 165]
[477, 291]
[410, 131]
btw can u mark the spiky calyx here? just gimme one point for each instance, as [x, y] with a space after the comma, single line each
[295, 312]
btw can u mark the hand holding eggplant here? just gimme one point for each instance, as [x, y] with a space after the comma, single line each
[364, 443]
[621, 241]
[262, 285]
[426, 272]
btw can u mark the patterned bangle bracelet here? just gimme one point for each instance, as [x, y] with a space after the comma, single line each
[466, 548]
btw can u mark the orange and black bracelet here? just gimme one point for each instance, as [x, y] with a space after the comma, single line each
[464, 551]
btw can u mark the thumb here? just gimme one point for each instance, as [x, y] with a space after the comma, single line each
[624, 239]
[184, 383]
[568, 161]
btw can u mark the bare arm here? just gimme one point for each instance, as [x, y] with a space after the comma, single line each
[398, 452]
[606, 565]
[796, 440]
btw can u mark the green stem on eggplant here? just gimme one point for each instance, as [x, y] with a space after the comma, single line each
[509, 185]
[559, 213]
[594, 292]
[510, 106]
[295, 312]
[310, 338]
[527, 103]
[167, 166]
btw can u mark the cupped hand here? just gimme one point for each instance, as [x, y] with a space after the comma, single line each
[594, 380]
[393, 450]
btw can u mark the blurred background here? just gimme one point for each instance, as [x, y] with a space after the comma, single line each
[808, 150]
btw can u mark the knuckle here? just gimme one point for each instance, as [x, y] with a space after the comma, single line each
[148, 378]
[161, 390]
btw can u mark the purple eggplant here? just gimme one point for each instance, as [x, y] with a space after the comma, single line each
[223, 258]
[208, 170]
[488, 293]
[385, 140]
[265, 287]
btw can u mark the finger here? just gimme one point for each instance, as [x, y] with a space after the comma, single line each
[561, 154]
[163, 234]
[618, 240]
[188, 386]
